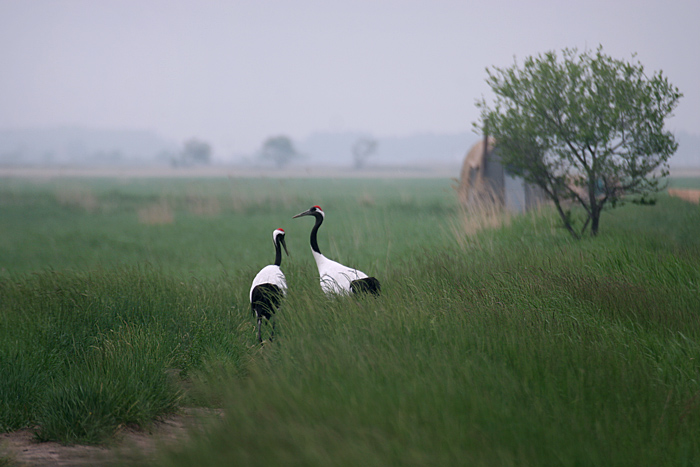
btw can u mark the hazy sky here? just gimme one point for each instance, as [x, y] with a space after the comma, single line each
[235, 72]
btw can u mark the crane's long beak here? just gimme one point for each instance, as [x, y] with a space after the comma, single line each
[284, 245]
[305, 213]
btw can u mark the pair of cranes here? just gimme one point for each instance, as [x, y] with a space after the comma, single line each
[270, 285]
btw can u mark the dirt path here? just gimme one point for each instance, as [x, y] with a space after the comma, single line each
[689, 195]
[22, 449]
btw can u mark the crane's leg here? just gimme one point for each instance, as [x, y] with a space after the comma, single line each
[259, 324]
[272, 320]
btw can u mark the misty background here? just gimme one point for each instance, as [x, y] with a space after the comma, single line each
[144, 83]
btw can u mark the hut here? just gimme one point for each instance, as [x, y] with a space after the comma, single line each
[484, 181]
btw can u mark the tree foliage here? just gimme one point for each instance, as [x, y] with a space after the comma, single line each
[362, 150]
[194, 152]
[278, 149]
[586, 128]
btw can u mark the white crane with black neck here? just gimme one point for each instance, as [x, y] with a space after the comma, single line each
[336, 278]
[269, 287]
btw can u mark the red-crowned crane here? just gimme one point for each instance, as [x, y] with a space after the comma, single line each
[269, 287]
[336, 278]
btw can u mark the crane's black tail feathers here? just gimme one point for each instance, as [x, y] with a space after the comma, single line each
[366, 285]
[265, 300]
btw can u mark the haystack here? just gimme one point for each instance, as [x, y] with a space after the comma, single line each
[485, 182]
[472, 184]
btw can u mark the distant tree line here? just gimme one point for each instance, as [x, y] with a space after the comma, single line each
[193, 152]
[280, 150]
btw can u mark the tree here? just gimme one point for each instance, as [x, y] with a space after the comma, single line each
[362, 150]
[587, 129]
[278, 149]
[194, 152]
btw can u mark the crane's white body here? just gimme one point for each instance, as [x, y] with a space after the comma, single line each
[335, 277]
[269, 287]
[270, 274]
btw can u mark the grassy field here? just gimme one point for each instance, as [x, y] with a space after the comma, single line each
[121, 301]
[687, 181]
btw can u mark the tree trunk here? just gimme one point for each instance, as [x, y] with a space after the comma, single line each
[596, 209]
[595, 217]
[594, 213]
[565, 219]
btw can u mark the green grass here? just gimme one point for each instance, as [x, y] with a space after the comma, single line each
[685, 182]
[85, 353]
[514, 346]
[205, 228]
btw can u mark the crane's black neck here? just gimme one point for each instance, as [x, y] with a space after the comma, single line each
[314, 231]
[278, 252]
